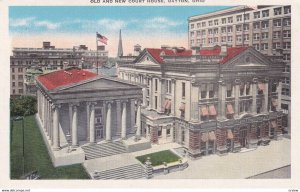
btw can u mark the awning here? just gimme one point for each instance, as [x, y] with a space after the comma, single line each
[182, 107]
[261, 86]
[229, 134]
[274, 102]
[273, 124]
[204, 111]
[212, 110]
[165, 103]
[211, 136]
[230, 109]
[168, 106]
[204, 137]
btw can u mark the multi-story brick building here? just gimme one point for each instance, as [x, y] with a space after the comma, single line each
[266, 28]
[50, 58]
[209, 100]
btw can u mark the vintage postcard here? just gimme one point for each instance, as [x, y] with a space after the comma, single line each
[149, 93]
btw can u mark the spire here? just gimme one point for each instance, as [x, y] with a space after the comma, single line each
[120, 47]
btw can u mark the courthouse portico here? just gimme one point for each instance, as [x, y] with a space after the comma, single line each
[76, 107]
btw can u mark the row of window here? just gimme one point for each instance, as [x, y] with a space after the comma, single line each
[20, 77]
[20, 91]
[13, 84]
[45, 62]
[14, 69]
[240, 18]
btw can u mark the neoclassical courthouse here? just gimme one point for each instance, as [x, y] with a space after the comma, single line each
[209, 100]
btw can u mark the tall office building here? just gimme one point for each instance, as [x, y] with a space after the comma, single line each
[266, 28]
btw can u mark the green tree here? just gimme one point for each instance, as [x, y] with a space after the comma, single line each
[20, 105]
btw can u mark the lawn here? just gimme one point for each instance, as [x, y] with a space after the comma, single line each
[36, 155]
[159, 158]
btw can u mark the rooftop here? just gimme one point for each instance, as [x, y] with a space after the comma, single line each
[64, 77]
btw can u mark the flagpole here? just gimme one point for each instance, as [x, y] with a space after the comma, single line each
[97, 52]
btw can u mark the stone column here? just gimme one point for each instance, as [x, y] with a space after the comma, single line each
[279, 89]
[118, 115]
[92, 123]
[221, 97]
[132, 115]
[150, 93]
[254, 93]
[108, 122]
[266, 98]
[236, 99]
[138, 121]
[144, 97]
[124, 116]
[173, 106]
[56, 143]
[74, 126]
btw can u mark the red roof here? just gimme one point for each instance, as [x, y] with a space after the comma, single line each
[231, 53]
[64, 77]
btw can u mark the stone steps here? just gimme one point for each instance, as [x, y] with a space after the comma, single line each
[103, 150]
[133, 171]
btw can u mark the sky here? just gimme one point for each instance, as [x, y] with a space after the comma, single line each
[67, 26]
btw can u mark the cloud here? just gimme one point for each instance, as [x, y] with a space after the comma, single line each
[47, 24]
[111, 24]
[161, 23]
[21, 22]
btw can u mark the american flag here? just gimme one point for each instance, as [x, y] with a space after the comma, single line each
[101, 38]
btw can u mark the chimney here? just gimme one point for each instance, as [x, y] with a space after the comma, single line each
[165, 47]
[137, 50]
[223, 50]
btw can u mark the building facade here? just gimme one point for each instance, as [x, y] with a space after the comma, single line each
[49, 58]
[266, 28]
[76, 107]
[212, 100]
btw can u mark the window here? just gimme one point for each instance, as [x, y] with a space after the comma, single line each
[287, 45]
[256, 25]
[192, 34]
[203, 32]
[20, 77]
[20, 83]
[286, 80]
[155, 102]
[210, 23]
[223, 39]
[238, 28]
[287, 9]
[210, 40]
[20, 69]
[256, 36]
[210, 31]
[198, 25]
[287, 69]
[285, 91]
[198, 41]
[229, 38]
[276, 35]
[258, 107]
[247, 88]
[12, 69]
[211, 91]
[239, 18]
[246, 16]
[192, 26]
[192, 42]
[265, 13]
[198, 33]
[256, 47]
[216, 31]
[228, 90]
[203, 92]
[203, 41]
[223, 20]
[169, 86]
[276, 45]
[287, 22]
[229, 29]
[264, 35]
[168, 131]
[277, 23]
[203, 24]
[230, 19]
[216, 22]
[277, 11]
[223, 29]
[286, 57]
[13, 84]
[239, 38]
[20, 91]
[256, 15]
[264, 46]
[287, 34]
[264, 24]
[159, 131]
[13, 77]
[183, 89]
[155, 84]
[216, 39]
[246, 37]
[246, 27]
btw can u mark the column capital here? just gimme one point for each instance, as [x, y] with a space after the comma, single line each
[90, 103]
[55, 106]
[237, 81]
[108, 102]
[255, 80]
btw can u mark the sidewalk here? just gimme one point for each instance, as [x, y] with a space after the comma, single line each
[237, 165]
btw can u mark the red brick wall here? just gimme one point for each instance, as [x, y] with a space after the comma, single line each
[221, 135]
[194, 142]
